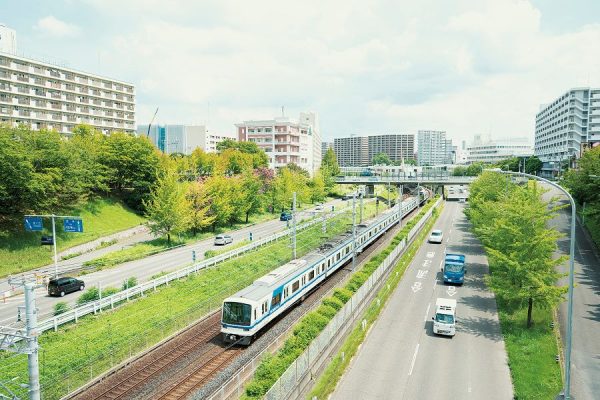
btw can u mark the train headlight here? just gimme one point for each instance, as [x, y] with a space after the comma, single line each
[233, 338]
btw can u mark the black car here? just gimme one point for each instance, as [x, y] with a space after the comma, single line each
[62, 286]
[285, 216]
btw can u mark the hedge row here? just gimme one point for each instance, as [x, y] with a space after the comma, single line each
[272, 367]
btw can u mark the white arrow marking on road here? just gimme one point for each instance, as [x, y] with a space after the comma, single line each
[430, 254]
[416, 287]
[422, 274]
[451, 291]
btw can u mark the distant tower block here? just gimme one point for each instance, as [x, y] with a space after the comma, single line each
[8, 39]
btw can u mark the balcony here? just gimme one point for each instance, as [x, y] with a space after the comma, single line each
[22, 67]
[4, 74]
[56, 106]
[55, 95]
[24, 113]
[23, 89]
[23, 78]
[57, 117]
[83, 80]
[38, 70]
[24, 101]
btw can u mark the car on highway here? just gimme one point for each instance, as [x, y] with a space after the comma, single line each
[436, 236]
[285, 216]
[222, 240]
[349, 196]
[64, 285]
[319, 207]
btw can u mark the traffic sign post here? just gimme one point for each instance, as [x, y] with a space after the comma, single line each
[70, 224]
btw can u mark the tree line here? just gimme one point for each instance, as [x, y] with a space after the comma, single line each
[512, 222]
[44, 172]
[530, 165]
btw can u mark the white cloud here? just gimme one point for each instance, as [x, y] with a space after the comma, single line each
[55, 27]
[466, 67]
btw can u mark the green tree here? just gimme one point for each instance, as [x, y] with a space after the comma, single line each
[512, 223]
[168, 210]
[533, 165]
[200, 202]
[382, 159]
[330, 164]
[220, 191]
[317, 188]
[133, 164]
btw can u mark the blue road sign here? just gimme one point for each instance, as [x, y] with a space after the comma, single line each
[33, 224]
[73, 225]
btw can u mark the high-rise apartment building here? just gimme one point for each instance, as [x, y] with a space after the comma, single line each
[358, 151]
[352, 151]
[46, 96]
[567, 124]
[397, 147]
[183, 139]
[433, 148]
[324, 147]
[491, 151]
[286, 141]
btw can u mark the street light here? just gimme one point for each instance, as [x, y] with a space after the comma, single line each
[567, 391]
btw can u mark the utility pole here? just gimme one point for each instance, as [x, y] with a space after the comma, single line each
[400, 205]
[353, 231]
[25, 342]
[54, 243]
[294, 228]
[323, 222]
[361, 209]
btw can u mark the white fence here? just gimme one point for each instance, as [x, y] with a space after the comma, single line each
[116, 299]
[299, 372]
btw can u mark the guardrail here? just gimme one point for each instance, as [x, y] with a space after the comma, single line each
[406, 179]
[233, 387]
[116, 299]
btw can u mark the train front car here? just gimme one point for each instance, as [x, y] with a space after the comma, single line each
[236, 321]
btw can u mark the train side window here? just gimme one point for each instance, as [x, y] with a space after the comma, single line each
[276, 300]
[311, 275]
[295, 286]
[337, 257]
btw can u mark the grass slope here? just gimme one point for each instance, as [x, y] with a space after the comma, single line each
[21, 251]
[104, 340]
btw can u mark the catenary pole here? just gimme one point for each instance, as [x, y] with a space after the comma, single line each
[32, 356]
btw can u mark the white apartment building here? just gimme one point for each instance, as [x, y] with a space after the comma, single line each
[183, 139]
[286, 141]
[565, 126]
[433, 148]
[45, 96]
[491, 151]
[398, 147]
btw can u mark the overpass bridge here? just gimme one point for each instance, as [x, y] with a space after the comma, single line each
[424, 179]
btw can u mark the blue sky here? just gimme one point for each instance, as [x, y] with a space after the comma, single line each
[467, 67]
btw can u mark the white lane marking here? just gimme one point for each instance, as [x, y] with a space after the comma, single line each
[416, 287]
[434, 285]
[441, 263]
[427, 312]
[412, 364]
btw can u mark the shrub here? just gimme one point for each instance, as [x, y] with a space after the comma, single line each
[60, 307]
[333, 303]
[210, 253]
[129, 283]
[89, 295]
[342, 295]
[109, 291]
[327, 311]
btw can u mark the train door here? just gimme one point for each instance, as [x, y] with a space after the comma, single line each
[276, 298]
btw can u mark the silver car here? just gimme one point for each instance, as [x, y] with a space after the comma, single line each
[436, 236]
[221, 240]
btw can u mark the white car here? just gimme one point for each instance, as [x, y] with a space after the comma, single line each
[319, 207]
[223, 240]
[436, 236]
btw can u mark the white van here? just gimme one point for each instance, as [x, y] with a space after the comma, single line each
[444, 322]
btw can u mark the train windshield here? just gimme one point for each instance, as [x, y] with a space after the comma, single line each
[236, 313]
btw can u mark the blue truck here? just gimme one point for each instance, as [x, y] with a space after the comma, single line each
[454, 269]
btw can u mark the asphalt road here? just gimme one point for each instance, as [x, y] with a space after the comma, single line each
[145, 268]
[402, 359]
[585, 353]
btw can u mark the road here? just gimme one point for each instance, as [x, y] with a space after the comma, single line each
[585, 353]
[145, 268]
[402, 359]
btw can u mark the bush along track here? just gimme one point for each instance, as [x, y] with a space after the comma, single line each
[104, 340]
[310, 326]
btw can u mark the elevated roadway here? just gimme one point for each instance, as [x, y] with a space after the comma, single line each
[403, 179]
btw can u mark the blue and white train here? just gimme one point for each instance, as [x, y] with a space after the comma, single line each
[248, 311]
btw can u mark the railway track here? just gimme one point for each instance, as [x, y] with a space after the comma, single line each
[202, 373]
